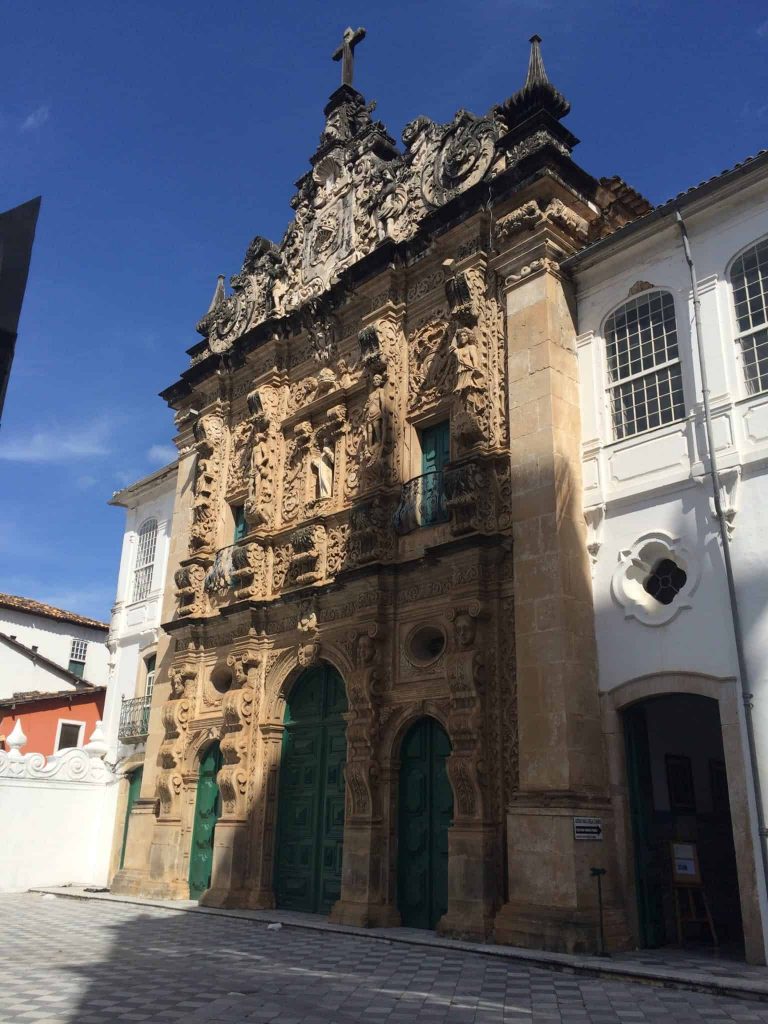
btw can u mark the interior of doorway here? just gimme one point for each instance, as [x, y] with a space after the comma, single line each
[678, 794]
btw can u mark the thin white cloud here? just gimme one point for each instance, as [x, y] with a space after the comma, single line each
[162, 454]
[58, 445]
[36, 119]
[85, 482]
[126, 476]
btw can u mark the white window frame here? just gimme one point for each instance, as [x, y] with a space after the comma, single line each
[149, 677]
[610, 385]
[144, 566]
[738, 334]
[81, 734]
[78, 650]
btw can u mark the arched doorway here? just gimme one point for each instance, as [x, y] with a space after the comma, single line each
[681, 821]
[207, 813]
[310, 819]
[425, 815]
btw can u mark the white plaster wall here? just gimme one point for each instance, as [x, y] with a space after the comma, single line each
[55, 833]
[657, 481]
[53, 640]
[134, 627]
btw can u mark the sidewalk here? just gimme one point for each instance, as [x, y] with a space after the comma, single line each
[671, 968]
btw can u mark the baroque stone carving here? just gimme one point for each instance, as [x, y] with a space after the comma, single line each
[209, 438]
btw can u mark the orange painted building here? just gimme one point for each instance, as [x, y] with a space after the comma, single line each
[53, 721]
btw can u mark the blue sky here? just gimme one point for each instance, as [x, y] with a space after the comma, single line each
[163, 136]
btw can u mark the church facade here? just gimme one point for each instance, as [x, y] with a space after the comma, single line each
[376, 697]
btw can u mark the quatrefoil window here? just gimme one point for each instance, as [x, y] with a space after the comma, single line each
[665, 581]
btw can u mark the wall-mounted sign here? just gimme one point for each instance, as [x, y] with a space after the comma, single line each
[587, 828]
[685, 864]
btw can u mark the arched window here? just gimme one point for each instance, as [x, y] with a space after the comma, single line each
[145, 560]
[749, 277]
[644, 372]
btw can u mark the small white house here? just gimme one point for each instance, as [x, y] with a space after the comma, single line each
[71, 641]
[135, 624]
[672, 693]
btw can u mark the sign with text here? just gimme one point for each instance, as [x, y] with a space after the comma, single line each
[587, 828]
[685, 864]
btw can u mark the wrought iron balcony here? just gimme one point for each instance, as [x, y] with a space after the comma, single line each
[422, 503]
[134, 718]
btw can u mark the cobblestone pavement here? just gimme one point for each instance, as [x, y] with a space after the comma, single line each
[70, 961]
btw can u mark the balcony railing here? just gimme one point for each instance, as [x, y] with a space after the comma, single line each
[422, 503]
[134, 718]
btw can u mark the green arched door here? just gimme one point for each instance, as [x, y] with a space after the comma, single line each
[310, 822]
[425, 815]
[207, 812]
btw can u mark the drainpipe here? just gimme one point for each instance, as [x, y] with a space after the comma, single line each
[738, 634]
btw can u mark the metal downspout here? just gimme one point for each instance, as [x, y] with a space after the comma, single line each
[747, 696]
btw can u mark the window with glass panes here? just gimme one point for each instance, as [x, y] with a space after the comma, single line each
[241, 526]
[644, 372]
[149, 679]
[749, 278]
[145, 560]
[77, 655]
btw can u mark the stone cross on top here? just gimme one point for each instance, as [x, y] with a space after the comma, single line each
[346, 53]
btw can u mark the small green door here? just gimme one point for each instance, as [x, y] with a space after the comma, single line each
[134, 788]
[207, 813]
[435, 447]
[426, 814]
[310, 824]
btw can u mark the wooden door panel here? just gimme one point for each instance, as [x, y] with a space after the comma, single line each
[207, 811]
[311, 797]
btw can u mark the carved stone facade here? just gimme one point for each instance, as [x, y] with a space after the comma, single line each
[412, 287]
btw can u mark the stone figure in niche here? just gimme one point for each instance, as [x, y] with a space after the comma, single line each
[374, 417]
[259, 475]
[322, 466]
[469, 376]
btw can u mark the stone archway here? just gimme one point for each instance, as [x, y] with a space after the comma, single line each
[725, 692]
[310, 813]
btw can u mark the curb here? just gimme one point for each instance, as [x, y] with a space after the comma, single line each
[592, 967]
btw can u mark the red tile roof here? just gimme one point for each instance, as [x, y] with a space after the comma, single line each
[26, 604]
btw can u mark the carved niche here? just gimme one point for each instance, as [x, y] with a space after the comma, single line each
[208, 433]
[240, 708]
[467, 683]
[175, 718]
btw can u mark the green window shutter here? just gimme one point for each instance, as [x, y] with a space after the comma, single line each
[241, 527]
[77, 668]
[435, 447]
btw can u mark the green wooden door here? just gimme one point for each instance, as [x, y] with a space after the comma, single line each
[435, 453]
[310, 824]
[134, 788]
[649, 868]
[207, 812]
[425, 815]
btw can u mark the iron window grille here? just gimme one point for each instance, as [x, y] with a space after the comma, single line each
[644, 372]
[145, 560]
[749, 279]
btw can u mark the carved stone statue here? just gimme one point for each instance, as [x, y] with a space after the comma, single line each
[375, 418]
[258, 480]
[323, 466]
[469, 376]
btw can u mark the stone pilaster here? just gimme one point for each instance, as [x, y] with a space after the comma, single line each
[552, 898]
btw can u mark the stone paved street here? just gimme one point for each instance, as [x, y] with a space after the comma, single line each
[76, 961]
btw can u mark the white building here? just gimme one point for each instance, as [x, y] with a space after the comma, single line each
[29, 628]
[135, 624]
[673, 707]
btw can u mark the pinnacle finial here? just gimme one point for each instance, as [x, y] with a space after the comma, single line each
[219, 294]
[537, 95]
[537, 74]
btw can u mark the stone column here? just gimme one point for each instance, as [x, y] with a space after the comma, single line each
[263, 827]
[552, 898]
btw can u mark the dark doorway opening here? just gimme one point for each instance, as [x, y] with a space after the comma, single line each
[681, 822]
